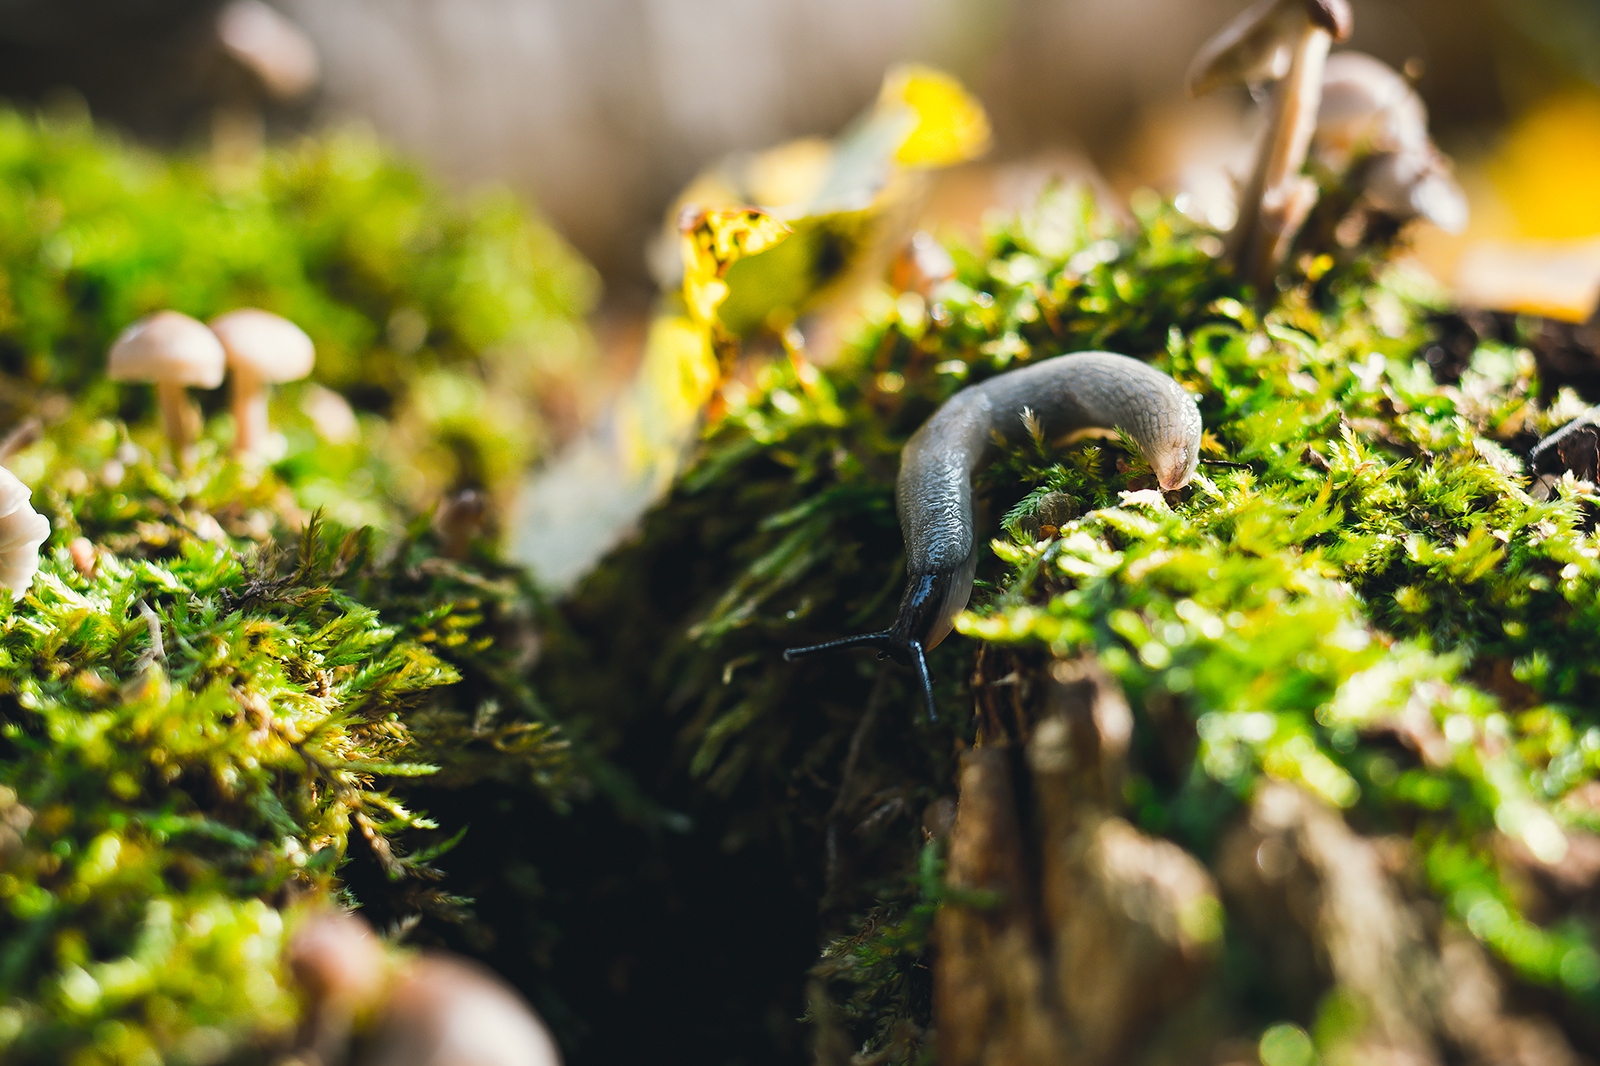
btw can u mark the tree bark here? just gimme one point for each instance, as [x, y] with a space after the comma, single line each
[1071, 937]
[1069, 931]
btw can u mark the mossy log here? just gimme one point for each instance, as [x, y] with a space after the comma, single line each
[1247, 773]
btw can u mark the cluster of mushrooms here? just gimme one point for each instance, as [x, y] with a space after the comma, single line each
[173, 351]
[1361, 122]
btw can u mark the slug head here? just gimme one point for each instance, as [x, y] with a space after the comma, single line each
[1174, 452]
[1174, 469]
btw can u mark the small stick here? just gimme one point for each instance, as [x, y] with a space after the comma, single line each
[157, 652]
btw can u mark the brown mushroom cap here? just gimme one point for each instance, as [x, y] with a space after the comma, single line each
[1332, 15]
[263, 345]
[167, 346]
[1254, 47]
[274, 49]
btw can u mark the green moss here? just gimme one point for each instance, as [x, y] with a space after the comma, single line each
[191, 725]
[1376, 553]
[877, 976]
[220, 675]
[444, 325]
[1369, 602]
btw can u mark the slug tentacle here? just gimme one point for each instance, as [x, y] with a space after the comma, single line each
[907, 651]
[1057, 397]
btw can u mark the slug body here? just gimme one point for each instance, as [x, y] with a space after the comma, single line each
[1064, 396]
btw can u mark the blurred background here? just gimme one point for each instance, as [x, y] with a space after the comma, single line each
[598, 112]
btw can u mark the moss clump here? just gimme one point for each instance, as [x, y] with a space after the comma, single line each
[443, 326]
[215, 698]
[192, 723]
[1370, 604]
[199, 705]
[151, 734]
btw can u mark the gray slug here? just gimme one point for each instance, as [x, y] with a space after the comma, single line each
[1064, 396]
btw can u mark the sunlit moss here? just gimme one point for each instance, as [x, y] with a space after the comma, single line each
[1373, 607]
[192, 724]
[448, 327]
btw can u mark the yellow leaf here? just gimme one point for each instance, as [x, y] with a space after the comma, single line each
[949, 125]
[656, 417]
[1548, 168]
[772, 289]
[712, 242]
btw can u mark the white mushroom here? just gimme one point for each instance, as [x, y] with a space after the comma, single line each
[1407, 185]
[173, 351]
[1373, 128]
[1367, 106]
[266, 59]
[22, 530]
[1285, 41]
[429, 1010]
[340, 968]
[261, 348]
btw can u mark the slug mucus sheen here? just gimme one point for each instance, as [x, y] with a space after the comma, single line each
[1063, 396]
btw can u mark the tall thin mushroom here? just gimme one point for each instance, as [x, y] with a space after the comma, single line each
[265, 58]
[173, 351]
[262, 348]
[280, 54]
[1284, 41]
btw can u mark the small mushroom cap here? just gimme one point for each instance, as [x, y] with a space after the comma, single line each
[335, 956]
[445, 1011]
[1367, 106]
[167, 346]
[22, 530]
[264, 345]
[1256, 45]
[273, 48]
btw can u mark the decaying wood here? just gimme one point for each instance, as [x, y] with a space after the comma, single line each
[1071, 930]
[1324, 906]
[1071, 937]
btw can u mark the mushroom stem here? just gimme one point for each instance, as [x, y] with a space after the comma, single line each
[1274, 204]
[173, 398]
[249, 399]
